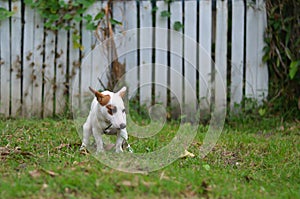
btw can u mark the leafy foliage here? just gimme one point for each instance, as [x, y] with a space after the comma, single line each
[165, 13]
[282, 52]
[64, 15]
[177, 25]
[59, 14]
[4, 14]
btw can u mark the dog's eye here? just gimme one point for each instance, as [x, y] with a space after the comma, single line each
[111, 109]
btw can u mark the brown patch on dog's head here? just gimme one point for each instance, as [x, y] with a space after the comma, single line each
[102, 99]
[111, 109]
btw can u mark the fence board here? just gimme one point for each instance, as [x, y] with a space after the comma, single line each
[16, 42]
[98, 61]
[49, 76]
[205, 61]
[74, 64]
[61, 68]
[251, 47]
[5, 63]
[38, 64]
[190, 54]
[85, 78]
[145, 52]
[161, 54]
[120, 41]
[221, 56]
[28, 61]
[130, 24]
[176, 47]
[256, 71]
[237, 53]
[262, 73]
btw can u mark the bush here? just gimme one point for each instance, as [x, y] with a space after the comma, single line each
[282, 54]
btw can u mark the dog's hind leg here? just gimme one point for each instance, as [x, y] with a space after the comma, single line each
[86, 135]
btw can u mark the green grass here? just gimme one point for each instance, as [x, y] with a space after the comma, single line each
[252, 159]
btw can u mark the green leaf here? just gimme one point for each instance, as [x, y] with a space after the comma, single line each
[178, 25]
[165, 13]
[4, 14]
[154, 9]
[278, 62]
[266, 58]
[88, 18]
[206, 167]
[294, 67]
[288, 53]
[91, 26]
[77, 18]
[262, 112]
[99, 16]
[115, 22]
[68, 16]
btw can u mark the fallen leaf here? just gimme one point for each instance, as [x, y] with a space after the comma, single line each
[148, 184]
[62, 146]
[44, 186]
[4, 151]
[206, 187]
[51, 173]
[35, 173]
[79, 163]
[187, 154]
[128, 183]
[189, 192]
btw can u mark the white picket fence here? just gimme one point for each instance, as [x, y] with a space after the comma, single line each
[41, 73]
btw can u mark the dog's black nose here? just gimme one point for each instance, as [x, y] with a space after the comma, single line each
[122, 126]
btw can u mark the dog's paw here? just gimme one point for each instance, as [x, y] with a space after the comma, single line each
[99, 151]
[119, 150]
[82, 147]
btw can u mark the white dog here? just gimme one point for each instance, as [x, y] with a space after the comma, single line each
[107, 116]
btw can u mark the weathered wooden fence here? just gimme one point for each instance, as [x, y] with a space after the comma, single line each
[40, 68]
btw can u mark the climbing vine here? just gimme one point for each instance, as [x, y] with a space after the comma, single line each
[61, 14]
[4, 14]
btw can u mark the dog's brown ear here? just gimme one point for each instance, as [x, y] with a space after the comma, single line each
[122, 92]
[102, 99]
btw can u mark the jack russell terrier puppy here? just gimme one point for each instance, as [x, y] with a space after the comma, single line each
[107, 116]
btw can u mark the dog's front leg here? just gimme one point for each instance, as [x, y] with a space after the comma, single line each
[122, 135]
[98, 139]
[86, 134]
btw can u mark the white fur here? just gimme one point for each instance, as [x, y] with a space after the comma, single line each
[99, 119]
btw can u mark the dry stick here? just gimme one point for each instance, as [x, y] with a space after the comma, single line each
[107, 33]
[101, 83]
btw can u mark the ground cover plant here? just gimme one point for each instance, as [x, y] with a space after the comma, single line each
[252, 159]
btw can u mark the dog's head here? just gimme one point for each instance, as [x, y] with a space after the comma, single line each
[112, 106]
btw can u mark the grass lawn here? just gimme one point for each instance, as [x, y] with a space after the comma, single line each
[252, 159]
